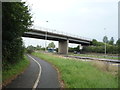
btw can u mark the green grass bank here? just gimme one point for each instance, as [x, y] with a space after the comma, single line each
[14, 70]
[79, 74]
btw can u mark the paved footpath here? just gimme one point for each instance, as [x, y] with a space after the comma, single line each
[39, 74]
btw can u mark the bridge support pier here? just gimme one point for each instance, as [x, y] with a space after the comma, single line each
[63, 47]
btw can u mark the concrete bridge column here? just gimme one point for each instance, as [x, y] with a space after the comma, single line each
[63, 47]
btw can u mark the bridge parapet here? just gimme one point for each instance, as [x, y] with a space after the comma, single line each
[59, 32]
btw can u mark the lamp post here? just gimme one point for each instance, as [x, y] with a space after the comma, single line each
[46, 40]
[105, 40]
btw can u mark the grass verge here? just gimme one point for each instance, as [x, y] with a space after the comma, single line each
[78, 74]
[14, 71]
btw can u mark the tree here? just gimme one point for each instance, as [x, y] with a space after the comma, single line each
[16, 19]
[98, 47]
[38, 47]
[111, 42]
[30, 49]
[118, 42]
[51, 45]
[77, 48]
[96, 43]
[105, 39]
[118, 45]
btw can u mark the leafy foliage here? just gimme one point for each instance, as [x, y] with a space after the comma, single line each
[118, 42]
[96, 43]
[99, 47]
[30, 49]
[51, 45]
[111, 42]
[105, 39]
[74, 49]
[16, 19]
[118, 45]
[38, 47]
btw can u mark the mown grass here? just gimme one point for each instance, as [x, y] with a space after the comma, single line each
[95, 56]
[15, 69]
[78, 74]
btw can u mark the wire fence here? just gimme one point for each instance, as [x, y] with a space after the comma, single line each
[59, 32]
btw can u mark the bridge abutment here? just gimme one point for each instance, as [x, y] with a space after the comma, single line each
[63, 47]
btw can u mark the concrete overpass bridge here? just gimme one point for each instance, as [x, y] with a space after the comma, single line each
[63, 38]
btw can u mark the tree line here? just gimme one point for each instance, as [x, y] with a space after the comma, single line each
[99, 47]
[16, 19]
[96, 47]
[30, 49]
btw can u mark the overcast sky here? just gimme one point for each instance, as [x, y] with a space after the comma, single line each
[86, 18]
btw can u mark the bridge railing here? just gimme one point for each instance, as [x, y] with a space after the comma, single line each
[59, 32]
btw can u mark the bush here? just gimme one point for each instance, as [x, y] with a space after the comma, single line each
[111, 49]
[30, 51]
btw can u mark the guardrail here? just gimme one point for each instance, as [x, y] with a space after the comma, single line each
[91, 58]
[59, 32]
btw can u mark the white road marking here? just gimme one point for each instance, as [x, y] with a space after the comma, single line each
[38, 78]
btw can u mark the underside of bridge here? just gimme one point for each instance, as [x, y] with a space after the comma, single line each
[62, 39]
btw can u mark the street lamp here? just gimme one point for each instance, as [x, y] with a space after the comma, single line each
[46, 40]
[105, 40]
